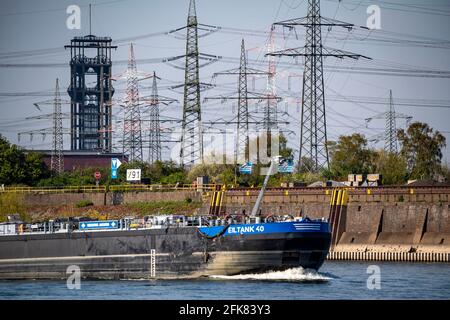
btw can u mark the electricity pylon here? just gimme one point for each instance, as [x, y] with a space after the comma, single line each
[155, 143]
[270, 111]
[56, 130]
[191, 149]
[390, 132]
[243, 96]
[57, 157]
[132, 134]
[313, 132]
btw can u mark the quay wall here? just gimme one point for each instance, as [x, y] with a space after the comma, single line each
[375, 220]
[108, 198]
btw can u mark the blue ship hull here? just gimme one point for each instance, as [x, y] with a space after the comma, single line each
[267, 228]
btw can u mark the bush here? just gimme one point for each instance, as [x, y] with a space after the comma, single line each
[11, 203]
[84, 203]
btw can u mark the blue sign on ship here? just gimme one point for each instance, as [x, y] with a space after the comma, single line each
[107, 224]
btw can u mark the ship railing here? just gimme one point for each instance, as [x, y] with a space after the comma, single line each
[54, 189]
[112, 188]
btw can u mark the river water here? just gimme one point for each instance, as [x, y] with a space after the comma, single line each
[335, 280]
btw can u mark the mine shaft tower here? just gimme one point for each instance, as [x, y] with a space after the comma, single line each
[91, 93]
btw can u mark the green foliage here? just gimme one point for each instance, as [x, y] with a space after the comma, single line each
[167, 172]
[160, 172]
[79, 177]
[285, 152]
[422, 149]
[306, 165]
[12, 203]
[392, 167]
[84, 203]
[445, 171]
[351, 155]
[17, 167]
[165, 207]
[217, 173]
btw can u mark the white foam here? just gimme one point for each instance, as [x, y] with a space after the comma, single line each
[294, 274]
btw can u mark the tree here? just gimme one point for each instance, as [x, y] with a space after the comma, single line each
[285, 152]
[36, 168]
[422, 149]
[16, 167]
[351, 155]
[445, 171]
[392, 167]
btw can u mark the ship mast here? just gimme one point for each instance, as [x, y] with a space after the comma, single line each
[257, 205]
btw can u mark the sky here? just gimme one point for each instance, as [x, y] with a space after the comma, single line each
[414, 36]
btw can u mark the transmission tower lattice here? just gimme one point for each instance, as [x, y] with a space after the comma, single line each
[243, 96]
[154, 152]
[132, 134]
[270, 111]
[391, 129]
[57, 157]
[191, 149]
[241, 153]
[313, 131]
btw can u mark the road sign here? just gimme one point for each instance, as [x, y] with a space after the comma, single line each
[246, 168]
[97, 175]
[133, 174]
[115, 164]
[90, 225]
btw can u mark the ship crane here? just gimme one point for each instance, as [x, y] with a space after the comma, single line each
[273, 164]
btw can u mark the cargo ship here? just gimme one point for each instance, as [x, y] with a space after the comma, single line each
[165, 247]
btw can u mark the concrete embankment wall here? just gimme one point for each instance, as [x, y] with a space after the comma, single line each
[379, 223]
[110, 198]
